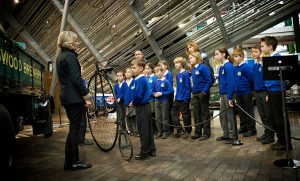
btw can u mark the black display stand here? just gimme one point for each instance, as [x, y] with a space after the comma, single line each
[282, 68]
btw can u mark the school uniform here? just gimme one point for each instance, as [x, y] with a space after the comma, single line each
[226, 91]
[263, 107]
[182, 102]
[201, 91]
[120, 90]
[275, 102]
[151, 79]
[143, 116]
[130, 113]
[244, 86]
[162, 105]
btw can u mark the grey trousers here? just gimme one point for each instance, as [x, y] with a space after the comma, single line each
[264, 111]
[162, 116]
[227, 118]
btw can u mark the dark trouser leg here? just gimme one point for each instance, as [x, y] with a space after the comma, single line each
[152, 104]
[165, 116]
[175, 116]
[205, 113]
[128, 119]
[83, 123]
[263, 108]
[197, 117]
[121, 114]
[242, 115]
[145, 128]
[74, 113]
[223, 117]
[170, 121]
[277, 115]
[248, 106]
[158, 116]
[134, 124]
[186, 115]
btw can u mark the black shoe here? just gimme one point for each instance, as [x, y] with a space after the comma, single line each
[165, 135]
[221, 138]
[279, 146]
[262, 137]
[203, 137]
[141, 157]
[159, 135]
[249, 133]
[86, 142]
[152, 154]
[78, 166]
[240, 131]
[177, 134]
[196, 136]
[229, 141]
[268, 140]
[186, 135]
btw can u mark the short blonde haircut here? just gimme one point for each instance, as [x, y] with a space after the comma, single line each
[139, 63]
[197, 56]
[180, 60]
[66, 39]
[192, 44]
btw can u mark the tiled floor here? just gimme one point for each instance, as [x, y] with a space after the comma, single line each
[177, 159]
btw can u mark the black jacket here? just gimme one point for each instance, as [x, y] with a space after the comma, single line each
[68, 70]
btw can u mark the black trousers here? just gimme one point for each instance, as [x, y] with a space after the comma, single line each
[144, 124]
[277, 117]
[121, 110]
[246, 123]
[83, 125]
[264, 111]
[74, 113]
[183, 107]
[201, 113]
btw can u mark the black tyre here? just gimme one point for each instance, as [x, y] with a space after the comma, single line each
[102, 118]
[8, 143]
[125, 146]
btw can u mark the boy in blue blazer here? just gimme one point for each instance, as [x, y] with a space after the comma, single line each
[141, 102]
[244, 87]
[268, 47]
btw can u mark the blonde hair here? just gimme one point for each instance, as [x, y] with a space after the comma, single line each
[197, 56]
[180, 60]
[192, 44]
[139, 63]
[66, 39]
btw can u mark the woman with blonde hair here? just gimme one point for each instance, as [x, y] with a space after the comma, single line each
[74, 96]
[192, 47]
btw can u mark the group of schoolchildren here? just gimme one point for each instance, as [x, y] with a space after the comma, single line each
[151, 107]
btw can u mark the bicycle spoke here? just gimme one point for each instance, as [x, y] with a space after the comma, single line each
[125, 146]
[102, 119]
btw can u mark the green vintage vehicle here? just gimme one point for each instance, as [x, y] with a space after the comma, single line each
[22, 97]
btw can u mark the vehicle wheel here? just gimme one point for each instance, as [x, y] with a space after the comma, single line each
[8, 143]
[101, 121]
[125, 146]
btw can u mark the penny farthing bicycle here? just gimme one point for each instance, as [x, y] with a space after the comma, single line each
[105, 128]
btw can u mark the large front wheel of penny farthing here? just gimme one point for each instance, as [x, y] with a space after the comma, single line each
[125, 146]
[103, 117]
